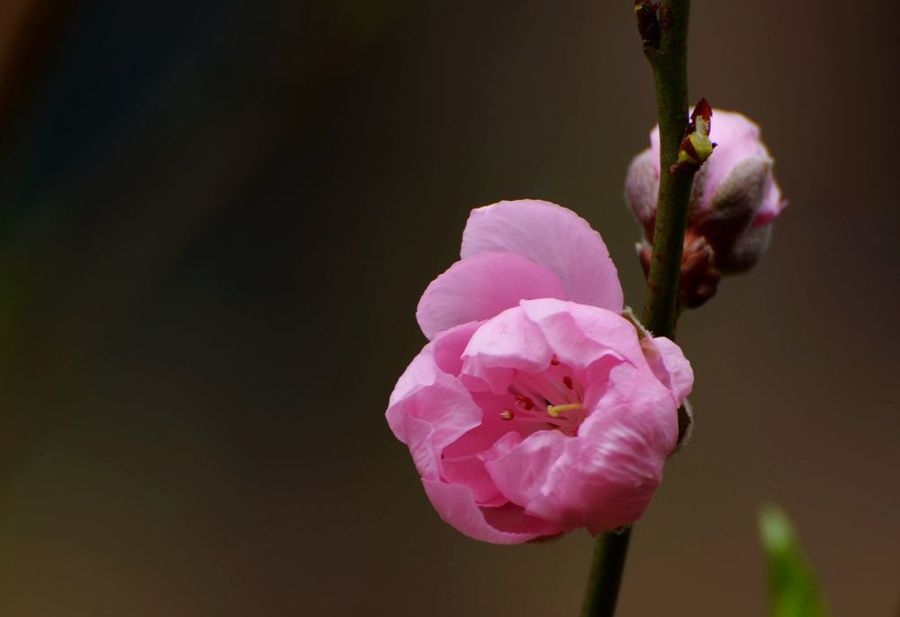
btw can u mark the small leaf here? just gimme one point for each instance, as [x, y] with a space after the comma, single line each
[696, 146]
[793, 590]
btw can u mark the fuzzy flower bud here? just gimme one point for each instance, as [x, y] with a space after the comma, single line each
[734, 201]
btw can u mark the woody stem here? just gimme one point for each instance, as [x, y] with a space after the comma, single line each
[665, 34]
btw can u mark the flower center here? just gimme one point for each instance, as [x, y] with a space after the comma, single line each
[548, 400]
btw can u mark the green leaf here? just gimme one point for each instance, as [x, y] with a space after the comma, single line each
[793, 590]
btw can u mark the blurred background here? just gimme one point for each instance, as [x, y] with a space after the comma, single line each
[216, 218]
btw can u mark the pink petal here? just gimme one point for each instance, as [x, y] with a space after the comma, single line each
[772, 205]
[507, 343]
[429, 410]
[448, 347]
[738, 138]
[642, 187]
[463, 460]
[456, 506]
[622, 448]
[634, 395]
[480, 287]
[512, 518]
[521, 473]
[553, 237]
[418, 436]
[579, 334]
[668, 363]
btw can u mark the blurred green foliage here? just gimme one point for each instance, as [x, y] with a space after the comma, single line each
[793, 590]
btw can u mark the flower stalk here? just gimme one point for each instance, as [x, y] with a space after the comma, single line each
[663, 26]
[608, 564]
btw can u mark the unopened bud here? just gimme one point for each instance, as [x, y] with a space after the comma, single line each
[734, 201]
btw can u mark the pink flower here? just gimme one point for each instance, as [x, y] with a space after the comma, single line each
[735, 197]
[536, 408]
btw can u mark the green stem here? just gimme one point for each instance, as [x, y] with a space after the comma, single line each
[606, 574]
[669, 62]
[668, 58]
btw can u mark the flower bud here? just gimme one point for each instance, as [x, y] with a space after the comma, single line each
[733, 203]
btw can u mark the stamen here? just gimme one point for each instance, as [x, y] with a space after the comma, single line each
[555, 410]
[506, 414]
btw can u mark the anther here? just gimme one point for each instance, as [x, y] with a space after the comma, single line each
[506, 414]
[555, 410]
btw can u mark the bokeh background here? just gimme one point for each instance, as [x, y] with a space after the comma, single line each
[216, 218]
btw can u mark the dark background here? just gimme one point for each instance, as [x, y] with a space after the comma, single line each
[216, 219]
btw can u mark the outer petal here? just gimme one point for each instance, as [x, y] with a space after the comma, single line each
[736, 202]
[668, 363]
[738, 138]
[772, 205]
[448, 346]
[553, 237]
[456, 506]
[641, 188]
[429, 409]
[480, 287]
[750, 246]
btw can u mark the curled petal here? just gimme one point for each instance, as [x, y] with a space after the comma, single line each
[521, 474]
[507, 343]
[669, 365]
[463, 461]
[456, 506]
[429, 410]
[553, 237]
[480, 287]
[580, 334]
[448, 346]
